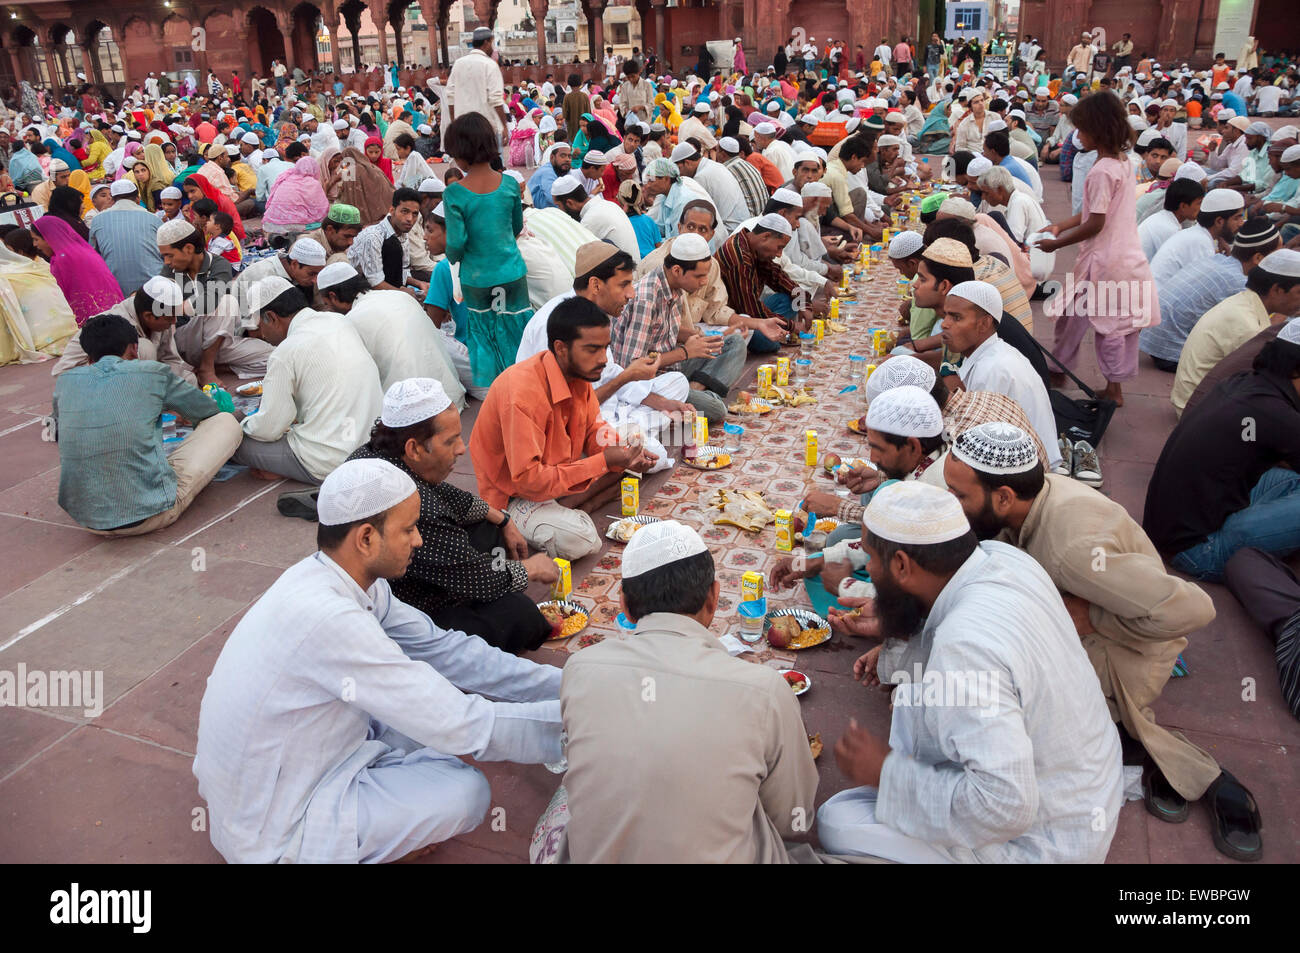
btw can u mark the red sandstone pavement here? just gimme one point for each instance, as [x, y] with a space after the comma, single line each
[118, 787]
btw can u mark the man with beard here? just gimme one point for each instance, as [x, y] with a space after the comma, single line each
[1131, 615]
[605, 219]
[905, 434]
[1000, 749]
[540, 448]
[557, 161]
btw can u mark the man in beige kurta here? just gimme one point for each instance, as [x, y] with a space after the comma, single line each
[153, 346]
[679, 753]
[1114, 583]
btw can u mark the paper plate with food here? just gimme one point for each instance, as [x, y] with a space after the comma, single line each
[856, 425]
[796, 629]
[251, 389]
[567, 618]
[622, 531]
[747, 403]
[745, 509]
[797, 681]
[709, 458]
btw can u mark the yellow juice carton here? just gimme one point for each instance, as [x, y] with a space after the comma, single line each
[783, 372]
[701, 431]
[631, 495]
[561, 588]
[784, 533]
[819, 329]
[810, 448]
[871, 369]
[765, 375]
[835, 308]
[751, 586]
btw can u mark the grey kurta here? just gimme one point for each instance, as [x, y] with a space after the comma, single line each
[1093, 549]
[679, 753]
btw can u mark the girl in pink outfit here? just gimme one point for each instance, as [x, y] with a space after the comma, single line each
[1112, 291]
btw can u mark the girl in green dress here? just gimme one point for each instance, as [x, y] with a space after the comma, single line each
[484, 213]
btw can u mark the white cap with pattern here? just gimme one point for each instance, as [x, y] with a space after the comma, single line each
[996, 448]
[914, 513]
[903, 370]
[361, 488]
[905, 411]
[660, 544]
[413, 400]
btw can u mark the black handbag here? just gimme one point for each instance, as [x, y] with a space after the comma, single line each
[1084, 418]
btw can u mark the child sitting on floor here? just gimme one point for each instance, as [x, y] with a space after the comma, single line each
[220, 232]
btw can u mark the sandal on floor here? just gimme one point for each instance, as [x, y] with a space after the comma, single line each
[1159, 796]
[1234, 819]
[299, 503]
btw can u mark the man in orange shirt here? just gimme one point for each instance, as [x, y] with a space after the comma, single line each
[772, 176]
[540, 448]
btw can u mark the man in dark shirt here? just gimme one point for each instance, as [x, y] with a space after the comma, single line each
[472, 570]
[1227, 475]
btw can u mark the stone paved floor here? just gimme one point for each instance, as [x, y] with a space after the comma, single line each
[118, 787]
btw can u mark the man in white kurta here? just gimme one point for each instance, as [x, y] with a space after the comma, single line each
[1001, 748]
[990, 363]
[475, 85]
[321, 394]
[330, 726]
[1183, 250]
[396, 332]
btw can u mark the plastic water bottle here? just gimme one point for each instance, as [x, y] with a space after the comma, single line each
[733, 434]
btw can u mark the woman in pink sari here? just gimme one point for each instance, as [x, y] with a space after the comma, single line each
[82, 274]
[132, 150]
[296, 200]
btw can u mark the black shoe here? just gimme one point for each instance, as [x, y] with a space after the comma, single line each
[1234, 819]
[299, 503]
[1160, 798]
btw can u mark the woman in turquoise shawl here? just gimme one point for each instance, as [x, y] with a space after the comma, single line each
[594, 134]
[57, 151]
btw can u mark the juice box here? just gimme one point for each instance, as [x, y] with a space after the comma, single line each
[835, 308]
[819, 329]
[701, 430]
[631, 495]
[871, 369]
[561, 588]
[784, 534]
[783, 372]
[751, 586]
[765, 375]
[810, 448]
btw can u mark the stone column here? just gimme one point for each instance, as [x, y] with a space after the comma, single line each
[381, 26]
[86, 64]
[286, 34]
[660, 46]
[52, 65]
[596, 31]
[330, 17]
[16, 61]
[539, 9]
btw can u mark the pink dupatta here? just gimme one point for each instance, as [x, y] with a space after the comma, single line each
[82, 274]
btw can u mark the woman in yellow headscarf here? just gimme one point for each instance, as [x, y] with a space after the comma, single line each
[81, 182]
[97, 150]
[668, 113]
[157, 178]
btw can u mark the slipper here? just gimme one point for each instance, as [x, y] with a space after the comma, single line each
[299, 503]
[1160, 798]
[1234, 819]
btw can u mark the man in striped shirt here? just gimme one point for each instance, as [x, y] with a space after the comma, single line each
[748, 178]
[748, 263]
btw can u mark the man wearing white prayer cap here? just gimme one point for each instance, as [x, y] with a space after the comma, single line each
[1272, 287]
[321, 391]
[153, 312]
[1222, 213]
[652, 323]
[299, 266]
[1133, 623]
[716, 182]
[250, 150]
[748, 178]
[767, 140]
[650, 812]
[904, 429]
[1025, 762]
[295, 768]
[456, 575]
[971, 313]
[394, 328]
[603, 218]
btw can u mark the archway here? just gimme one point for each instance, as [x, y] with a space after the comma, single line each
[63, 44]
[265, 39]
[399, 19]
[352, 11]
[306, 26]
[105, 57]
[31, 56]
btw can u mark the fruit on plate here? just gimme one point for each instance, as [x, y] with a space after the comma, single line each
[796, 681]
[815, 744]
[831, 461]
[783, 630]
[716, 462]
